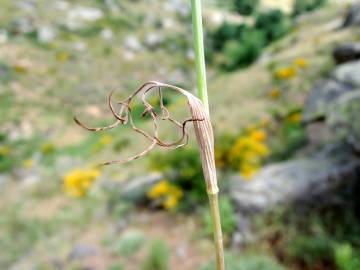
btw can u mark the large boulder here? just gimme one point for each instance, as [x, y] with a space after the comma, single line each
[321, 96]
[344, 120]
[348, 73]
[353, 16]
[302, 180]
[346, 53]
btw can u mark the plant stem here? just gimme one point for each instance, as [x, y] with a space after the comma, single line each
[199, 51]
[202, 88]
[215, 215]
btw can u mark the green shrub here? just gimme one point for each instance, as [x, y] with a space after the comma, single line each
[312, 249]
[302, 6]
[158, 256]
[183, 167]
[252, 262]
[228, 218]
[244, 52]
[245, 7]
[116, 266]
[274, 23]
[227, 31]
[345, 257]
[290, 137]
[130, 243]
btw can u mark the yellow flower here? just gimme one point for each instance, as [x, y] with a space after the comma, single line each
[20, 69]
[5, 150]
[159, 190]
[106, 139]
[294, 118]
[28, 163]
[285, 73]
[248, 152]
[77, 182]
[168, 194]
[275, 93]
[170, 203]
[62, 56]
[301, 63]
[47, 148]
[258, 135]
[247, 171]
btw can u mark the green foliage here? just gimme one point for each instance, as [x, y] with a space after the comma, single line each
[227, 31]
[245, 7]
[244, 52]
[345, 258]
[290, 137]
[311, 249]
[240, 44]
[274, 23]
[228, 218]
[158, 256]
[130, 243]
[184, 168]
[302, 6]
[251, 262]
[116, 266]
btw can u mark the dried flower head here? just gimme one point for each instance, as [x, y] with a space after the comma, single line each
[200, 119]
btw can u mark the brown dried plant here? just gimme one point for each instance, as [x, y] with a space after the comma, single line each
[200, 119]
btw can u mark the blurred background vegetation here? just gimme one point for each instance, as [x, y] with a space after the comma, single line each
[284, 101]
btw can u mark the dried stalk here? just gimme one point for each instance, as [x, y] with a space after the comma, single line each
[203, 131]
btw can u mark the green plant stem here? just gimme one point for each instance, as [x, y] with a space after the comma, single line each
[202, 88]
[199, 51]
[218, 239]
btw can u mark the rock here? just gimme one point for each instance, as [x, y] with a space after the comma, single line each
[293, 181]
[135, 190]
[3, 36]
[346, 53]
[321, 96]
[107, 34]
[79, 16]
[82, 251]
[22, 25]
[45, 34]
[353, 16]
[179, 6]
[79, 46]
[348, 73]
[153, 40]
[112, 7]
[343, 118]
[318, 133]
[4, 178]
[132, 43]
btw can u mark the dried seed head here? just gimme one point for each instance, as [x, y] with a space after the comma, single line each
[200, 119]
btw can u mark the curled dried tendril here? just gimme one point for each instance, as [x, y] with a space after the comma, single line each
[124, 116]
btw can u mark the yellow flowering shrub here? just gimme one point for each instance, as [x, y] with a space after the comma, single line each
[248, 152]
[285, 73]
[301, 63]
[5, 150]
[294, 118]
[275, 93]
[106, 139]
[47, 148]
[168, 194]
[77, 182]
[28, 163]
